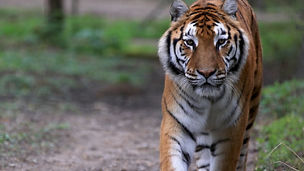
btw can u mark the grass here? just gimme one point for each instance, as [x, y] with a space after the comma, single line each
[287, 130]
[283, 98]
[83, 34]
[282, 106]
[43, 73]
[91, 51]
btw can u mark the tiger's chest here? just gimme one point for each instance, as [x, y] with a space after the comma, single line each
[206, 115]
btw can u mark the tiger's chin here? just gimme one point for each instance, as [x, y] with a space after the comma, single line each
[209, 91]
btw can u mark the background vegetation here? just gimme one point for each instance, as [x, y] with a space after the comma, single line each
[92, 50]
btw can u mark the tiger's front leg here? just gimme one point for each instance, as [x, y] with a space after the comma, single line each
[177, 145]
[226, 147]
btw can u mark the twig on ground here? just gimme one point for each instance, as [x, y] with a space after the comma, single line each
[276, 147]
[287, 165]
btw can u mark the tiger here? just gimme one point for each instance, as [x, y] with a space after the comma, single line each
[212, 58]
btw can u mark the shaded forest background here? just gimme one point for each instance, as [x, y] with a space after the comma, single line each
[64, 65]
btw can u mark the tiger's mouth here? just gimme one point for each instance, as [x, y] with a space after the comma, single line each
[207, 87]
[206, 83]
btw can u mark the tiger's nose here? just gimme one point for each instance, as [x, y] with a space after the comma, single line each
[206, 72]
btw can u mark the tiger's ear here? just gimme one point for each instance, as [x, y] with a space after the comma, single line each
[230, 7]
[177, 9]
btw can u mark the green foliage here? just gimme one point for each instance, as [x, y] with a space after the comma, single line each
[16, 26]
[280, 40]
[85, 34]
[47, 73]
[284, 102]
[288, 130]
[281, 99]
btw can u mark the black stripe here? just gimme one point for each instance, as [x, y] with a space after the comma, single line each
[206, 8]
[245, 141]
[175, 41]
[237, 104]
[242, 48]
[195, 5]
[215, 20]
[239, 167]
[226, 61]
[201, 147]
[174, 139]
[223, 32]
[205, 13]
[256, 93]
[228, 54]
[210, 8]
[252, 111]
[230, 100]
[186, 156]
[213, 146]
[196, 12]
[185, 93]
[211, 4]
[168, 40]
[199, 9]
[171, 66]
[177, 155]
[236, 50]
[204, 166]
[204, 133]
[180, 105]
[186, 130]
[197, 16]
[174, 69]
[249, 126]
[229, 34]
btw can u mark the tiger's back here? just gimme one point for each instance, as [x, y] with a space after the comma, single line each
[213, 62]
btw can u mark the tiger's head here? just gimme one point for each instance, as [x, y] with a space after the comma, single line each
[205, 48]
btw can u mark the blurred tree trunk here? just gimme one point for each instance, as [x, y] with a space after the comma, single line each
[300, 69]
[55, 17]
[75, 7]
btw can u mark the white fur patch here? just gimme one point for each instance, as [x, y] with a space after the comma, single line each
[218, 29]
[190, 33]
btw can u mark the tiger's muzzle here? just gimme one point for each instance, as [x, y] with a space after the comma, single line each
[206, 77]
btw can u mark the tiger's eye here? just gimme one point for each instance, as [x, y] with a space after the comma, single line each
[221, 41]
[190, 42]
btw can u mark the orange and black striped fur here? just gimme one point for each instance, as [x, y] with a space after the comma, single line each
[213, 62]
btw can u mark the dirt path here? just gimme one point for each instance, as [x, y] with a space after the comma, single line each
[107, 139]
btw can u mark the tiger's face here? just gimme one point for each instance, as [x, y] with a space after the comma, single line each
[204, 50]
